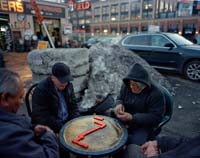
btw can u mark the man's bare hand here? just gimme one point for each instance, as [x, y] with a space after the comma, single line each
[119, 109]
[150, 148]
[124, 116]
[41, 129]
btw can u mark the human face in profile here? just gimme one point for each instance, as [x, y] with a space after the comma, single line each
[58, 84]
[14, 102]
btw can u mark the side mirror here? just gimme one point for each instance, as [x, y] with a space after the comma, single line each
[170, 45]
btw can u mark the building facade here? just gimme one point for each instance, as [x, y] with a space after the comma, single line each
[23, 21]
[111, 17]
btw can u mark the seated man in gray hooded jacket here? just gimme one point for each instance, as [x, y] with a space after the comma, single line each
[140, 105]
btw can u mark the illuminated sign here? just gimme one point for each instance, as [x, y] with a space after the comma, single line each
[83, 5]
[78, 5]
[11, 6]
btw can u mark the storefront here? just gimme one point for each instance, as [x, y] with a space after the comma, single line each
[21, 20]
[5, 33]
[52, 18]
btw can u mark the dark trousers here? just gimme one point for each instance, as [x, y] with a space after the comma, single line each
[138, 136]
[64, 153]
[133, 151]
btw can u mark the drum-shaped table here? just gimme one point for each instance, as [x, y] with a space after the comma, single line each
[93, 135]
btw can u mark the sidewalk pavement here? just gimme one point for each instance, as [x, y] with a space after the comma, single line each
[18, 63]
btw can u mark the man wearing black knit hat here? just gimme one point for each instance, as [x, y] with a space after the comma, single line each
[53, 100]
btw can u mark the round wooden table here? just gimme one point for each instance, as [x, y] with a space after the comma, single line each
[93, 135]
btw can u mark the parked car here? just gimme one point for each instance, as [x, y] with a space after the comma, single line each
[94, 40]
[90, 42]
[110, 40]
[168, 51]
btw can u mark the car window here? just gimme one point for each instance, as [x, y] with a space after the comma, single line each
[157, 40]
[115, 40]
[138, 40]
[179, 39]
[92, 40]
[105, 40]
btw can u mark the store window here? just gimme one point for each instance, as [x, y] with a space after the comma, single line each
[53, 26]
[113, 30]
[88, 13]
[166, 9]
[97, 18]
[88, 21]
[124, 7]
[114, 16]
[97, 11]
[105, 17]
[189, 31]
[97, 30]
[134, 29]
[123, 29]
[185, 8]
[135, 10]
[144, 28]
[81, 21]
[114, 8]
[105, 10]
[81, 14]
[172, 28]
[162, 28]
[124, 16]
[5, 34]
[147, 9]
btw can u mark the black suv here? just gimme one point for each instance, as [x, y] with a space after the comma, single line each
[168, 51]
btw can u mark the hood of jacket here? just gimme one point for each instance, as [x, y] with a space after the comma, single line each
[12, 118]
[139, 74]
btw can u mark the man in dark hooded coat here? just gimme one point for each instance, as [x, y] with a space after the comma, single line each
[140, 105]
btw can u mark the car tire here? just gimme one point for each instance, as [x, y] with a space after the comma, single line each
[192, 70]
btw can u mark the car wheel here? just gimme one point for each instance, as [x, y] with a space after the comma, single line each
[192, 70]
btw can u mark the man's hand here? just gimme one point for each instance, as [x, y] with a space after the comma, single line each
[41, 129]
[119, 109]
[150, 148]
[121, 114]
[124, 116]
